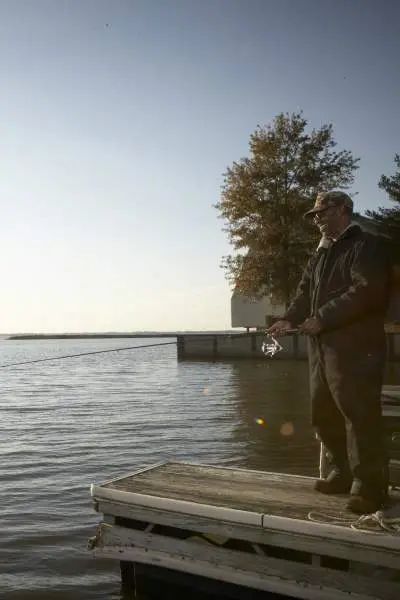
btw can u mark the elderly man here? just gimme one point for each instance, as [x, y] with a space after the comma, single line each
[341, 304]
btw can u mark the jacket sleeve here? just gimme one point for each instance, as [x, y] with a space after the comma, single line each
[369, 288]
[300, 307]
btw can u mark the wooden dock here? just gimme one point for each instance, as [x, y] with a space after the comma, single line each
[240, 533]
[264, 531]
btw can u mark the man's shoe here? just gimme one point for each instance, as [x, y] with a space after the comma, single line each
[364, 499]
[336, 483]
[363, 505]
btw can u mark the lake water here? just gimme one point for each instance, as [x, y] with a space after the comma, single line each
[68, 423]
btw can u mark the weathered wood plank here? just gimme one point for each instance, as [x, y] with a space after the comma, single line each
[305, 542]
[229, 487]
[259, 492]
[270, 574]
[391, 390]
[179, 506]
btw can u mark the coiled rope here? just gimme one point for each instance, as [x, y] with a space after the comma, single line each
[382, 521]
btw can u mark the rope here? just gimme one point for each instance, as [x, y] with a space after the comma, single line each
[379, 522]
[31, 362]
[334, 519]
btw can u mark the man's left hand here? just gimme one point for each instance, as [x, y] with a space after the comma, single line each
[310, 326]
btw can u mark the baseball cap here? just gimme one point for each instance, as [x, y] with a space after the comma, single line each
[326, 199]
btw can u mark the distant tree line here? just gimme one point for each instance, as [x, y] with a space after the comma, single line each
[265, 195]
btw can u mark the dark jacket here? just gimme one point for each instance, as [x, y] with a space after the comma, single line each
[347, 287]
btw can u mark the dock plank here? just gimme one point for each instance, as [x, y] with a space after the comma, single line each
[306, 541]
[256, 491]
[267, 573]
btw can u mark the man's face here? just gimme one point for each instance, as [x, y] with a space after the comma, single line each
[328, 220]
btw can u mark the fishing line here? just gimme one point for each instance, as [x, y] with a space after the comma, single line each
[31, 362]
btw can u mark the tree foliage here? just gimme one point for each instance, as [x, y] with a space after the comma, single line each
[388, 219]
[264, 197]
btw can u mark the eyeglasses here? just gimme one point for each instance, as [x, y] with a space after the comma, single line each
[321, 212]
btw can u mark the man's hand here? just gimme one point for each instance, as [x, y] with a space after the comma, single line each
[310, 326]
[279, 328]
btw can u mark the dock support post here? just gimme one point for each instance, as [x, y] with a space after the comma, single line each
[128, 579]
[180, 343]
[215, 346]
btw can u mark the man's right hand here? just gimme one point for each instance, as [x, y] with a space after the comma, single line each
[280, 327]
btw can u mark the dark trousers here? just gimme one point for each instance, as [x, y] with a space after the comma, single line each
[347, 414]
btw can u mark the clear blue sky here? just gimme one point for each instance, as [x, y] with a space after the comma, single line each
[119, 118]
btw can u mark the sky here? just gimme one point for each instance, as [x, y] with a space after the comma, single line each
[119, 118]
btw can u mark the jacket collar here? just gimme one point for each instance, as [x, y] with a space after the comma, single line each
[350, 230]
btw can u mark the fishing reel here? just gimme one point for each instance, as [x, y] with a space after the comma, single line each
[270, 347]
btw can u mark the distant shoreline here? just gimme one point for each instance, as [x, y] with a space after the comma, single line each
[90, 336]
[99, 336]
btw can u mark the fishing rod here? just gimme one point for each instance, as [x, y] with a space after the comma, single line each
[30, 362]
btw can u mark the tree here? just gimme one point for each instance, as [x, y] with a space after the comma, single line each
[264, 197]
[388, 219]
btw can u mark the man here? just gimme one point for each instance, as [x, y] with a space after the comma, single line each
[341, 304]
